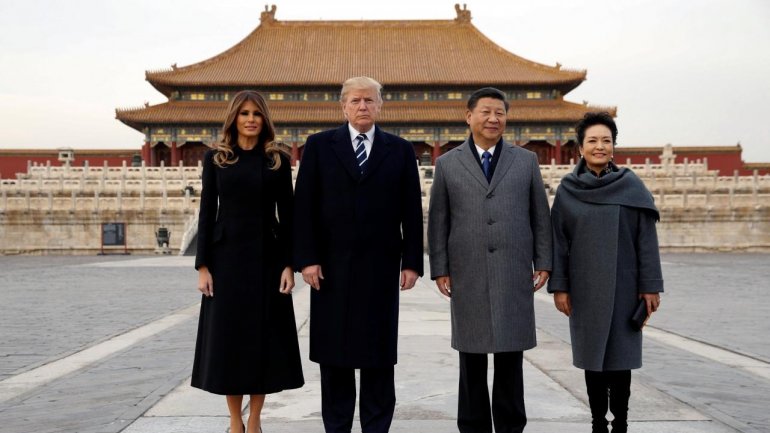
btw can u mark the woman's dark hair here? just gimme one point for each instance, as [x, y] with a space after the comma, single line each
[486, 92]
[591, 119]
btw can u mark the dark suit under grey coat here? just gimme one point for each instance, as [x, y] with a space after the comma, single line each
[487, 236]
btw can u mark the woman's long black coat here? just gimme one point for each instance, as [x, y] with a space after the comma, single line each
[362, 230]
[247, 339]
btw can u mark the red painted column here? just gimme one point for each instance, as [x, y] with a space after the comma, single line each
[174, 154]
[294, 153]
[436, 152]
[153, 158]
[146, 152]
[558, 151]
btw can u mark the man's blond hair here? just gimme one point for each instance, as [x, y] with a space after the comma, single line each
[361, 83]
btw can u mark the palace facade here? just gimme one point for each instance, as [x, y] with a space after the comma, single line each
[428, 69]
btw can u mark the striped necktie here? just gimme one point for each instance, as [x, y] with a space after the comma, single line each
[361, 151]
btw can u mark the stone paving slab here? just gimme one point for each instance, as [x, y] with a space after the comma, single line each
[62, 305]
[426, 387]
[198, 425]
[107, 396]
[56, 306]
[721, 299]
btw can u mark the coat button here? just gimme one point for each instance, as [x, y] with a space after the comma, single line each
[490, 195]
[490, 222]
[492, 249]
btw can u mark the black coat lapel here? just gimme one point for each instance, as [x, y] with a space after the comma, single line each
[343, 147]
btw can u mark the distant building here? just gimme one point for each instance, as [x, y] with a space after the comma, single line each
[13, 161]
[726, 159]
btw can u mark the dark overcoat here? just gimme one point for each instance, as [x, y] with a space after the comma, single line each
[487, 237]
[605, 255]
[363, 229]
[247, 338]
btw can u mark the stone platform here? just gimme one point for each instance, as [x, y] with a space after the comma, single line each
[105, 345]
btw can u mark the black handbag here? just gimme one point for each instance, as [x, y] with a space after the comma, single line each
[639, 318]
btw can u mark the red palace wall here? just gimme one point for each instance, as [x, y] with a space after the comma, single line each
[726, 159]
[14, 161]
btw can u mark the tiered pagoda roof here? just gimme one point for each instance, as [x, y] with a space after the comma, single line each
[309, 55]
[405, 112]
[396, 53]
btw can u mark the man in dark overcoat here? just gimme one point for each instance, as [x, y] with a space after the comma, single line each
[489, 237]
[358, 238]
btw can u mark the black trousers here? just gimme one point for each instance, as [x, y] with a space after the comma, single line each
[338, 399]
[507, 409]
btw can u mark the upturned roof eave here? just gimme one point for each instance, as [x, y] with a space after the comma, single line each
[559, 111]
[159, 85]
[167, 86]
[137, 126]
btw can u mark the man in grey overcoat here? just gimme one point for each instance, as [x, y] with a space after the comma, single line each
[489, 237]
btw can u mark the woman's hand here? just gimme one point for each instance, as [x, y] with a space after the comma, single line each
[562, 302]
[287, 281]
[205, 282]
[652, 300]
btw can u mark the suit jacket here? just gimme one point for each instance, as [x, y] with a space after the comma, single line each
[487, 236]
[362, 230]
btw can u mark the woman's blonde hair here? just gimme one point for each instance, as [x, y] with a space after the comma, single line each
[224, 149]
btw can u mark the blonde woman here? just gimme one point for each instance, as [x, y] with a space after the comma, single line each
[247, 339]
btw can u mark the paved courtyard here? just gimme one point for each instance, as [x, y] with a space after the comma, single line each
[104, 344]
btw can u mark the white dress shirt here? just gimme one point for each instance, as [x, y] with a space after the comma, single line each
[481, 152]
[367, 143]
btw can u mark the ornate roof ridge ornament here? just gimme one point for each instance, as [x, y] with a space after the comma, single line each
[463, 15]
[268, 15]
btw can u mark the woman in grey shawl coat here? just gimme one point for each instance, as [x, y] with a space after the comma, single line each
[605, 259]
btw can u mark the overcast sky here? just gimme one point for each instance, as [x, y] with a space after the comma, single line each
[685, 72]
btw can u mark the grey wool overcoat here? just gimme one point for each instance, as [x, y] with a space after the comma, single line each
[488, 237]
[605, 255]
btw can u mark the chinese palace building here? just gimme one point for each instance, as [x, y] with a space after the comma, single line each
[60, 201]
[428, 68]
